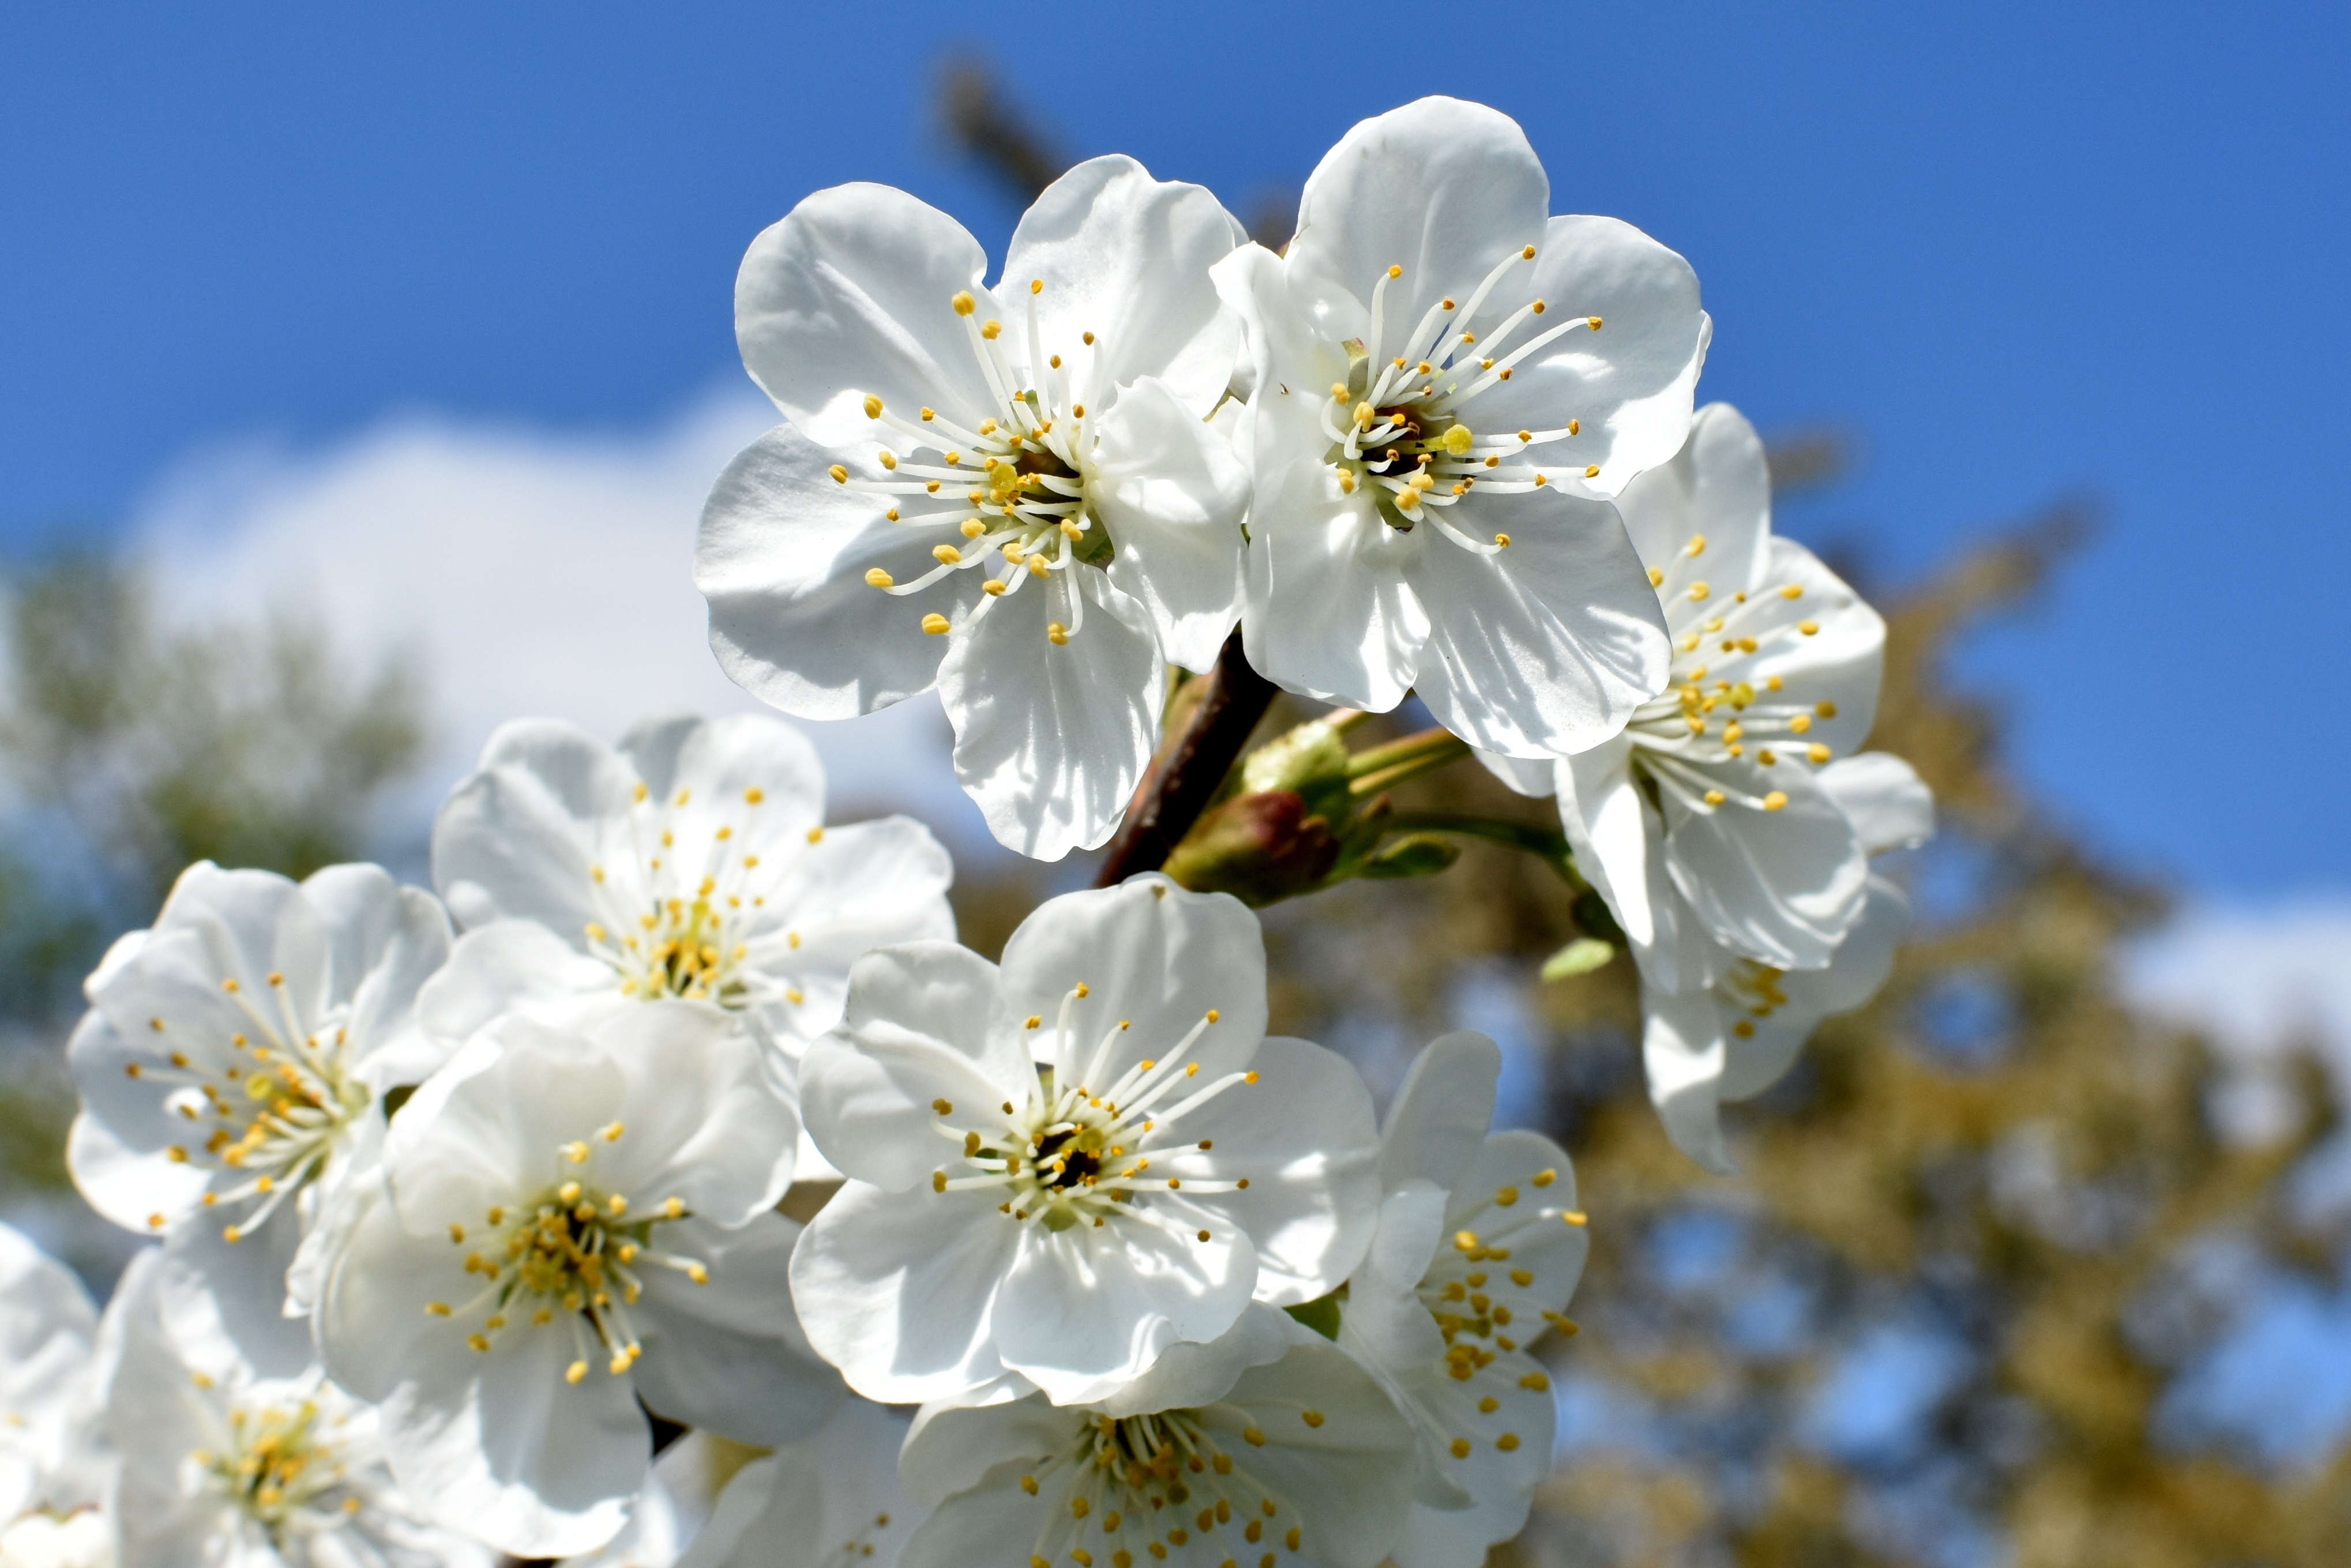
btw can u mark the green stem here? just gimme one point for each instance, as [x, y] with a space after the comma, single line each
[1382, 766]
[1547, 844]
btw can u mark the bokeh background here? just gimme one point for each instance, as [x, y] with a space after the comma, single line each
[361, 374]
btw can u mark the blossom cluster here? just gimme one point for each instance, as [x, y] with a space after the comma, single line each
[468, 1199]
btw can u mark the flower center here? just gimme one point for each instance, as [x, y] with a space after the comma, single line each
[681, 929]
[1068, 1154]
[1009, 495]
[1479, 1330]
[1155, 1481]
[277, 1104]
[1399, 425]
[1756, 989]
[281, 1467]
[573, 1252]
[1717, 706]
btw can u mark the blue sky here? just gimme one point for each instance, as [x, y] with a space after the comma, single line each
[2020, 253]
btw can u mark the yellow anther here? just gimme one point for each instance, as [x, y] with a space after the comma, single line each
[1809, 628]
[1253, 1438]
[1540, 306]
[1817, 753]
[1508, 1442]
[890, 460]
[1464, 1240]
[1591, 471]
[963, 306]
[1793, 591]
[1448, 304]
[1574, 1216]
[1056, 634]
[1575, 427]
[947, 554]
[1594, 323]
[437, 1309]
[876, 578]
[1395, 272]
[1312, 1417]
[1028, 1485]
[872, 406]
[575, 1371]
[935, 624]
[1036, 285]
[1714, 797]
[1458, 440]
[1363, 414]
[456, 1233]
[1460, 1447]
[1501, 541]
[1214, 1015]
[1338, 392]
[839, 475]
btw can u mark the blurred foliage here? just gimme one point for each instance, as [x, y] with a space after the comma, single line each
[127, 749]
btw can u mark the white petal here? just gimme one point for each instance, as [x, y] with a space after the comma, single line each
[1535, 1177]
[1152, 955]
[708, 1118]
[1330, 610]
[1442, 188]
[952, 1448]
[387, 941]
[505, 966]
[1546, 647]
[1349, 1479]
[1863, 962]
[1189, 1376]
[800, 1506]
[1305, 1137]
[1631, 383]
[1682, 1049]
[1842, 662]
[729, 1355]
[916, 1031]
[1612, 831]
[1501, 1481]
[1126, 257]
[862, 886]
[512, 840]
[848, 296]
[1084, 1310]
[1528, 776]
[1440, 1117]
[897, 1290]
[782, 559]
[1384, 1321]
[1782, 886]
[716, 760]
[1173, 492]
[1717, 486]
[1051, 739]
[1883, 797]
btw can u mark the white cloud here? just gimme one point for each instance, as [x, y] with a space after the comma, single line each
[2264, 983]
[533, 572]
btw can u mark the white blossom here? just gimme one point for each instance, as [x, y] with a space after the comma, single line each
[1269, 1446]
[235, 1053]
[692, 861]
[1450, 385]
[1060, 1168]
[1479, 1246]
[1011, 493]
[228, 1463]
[828, 1500]
[47, 1459]
[1728, 827]
[568, 1221]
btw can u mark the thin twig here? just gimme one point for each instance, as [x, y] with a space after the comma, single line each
[1183, 778]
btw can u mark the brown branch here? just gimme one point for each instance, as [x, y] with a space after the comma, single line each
[1183, 778]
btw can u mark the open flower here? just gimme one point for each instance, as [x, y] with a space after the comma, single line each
[1479, 1247]
[1269, 1446]
[1728, 827]
[1061, 1168]
[1449, 383]
[828, 1500]
[1009, 493]
[234, 1053]
[692, 861]
[570, 1221]
[47, 1327]
[226, 1462]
